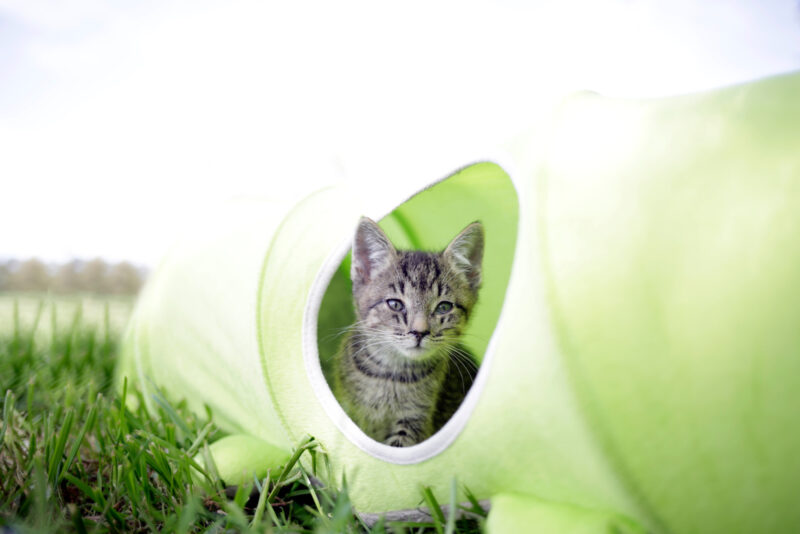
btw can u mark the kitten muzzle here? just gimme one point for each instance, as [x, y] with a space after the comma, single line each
[419, 336]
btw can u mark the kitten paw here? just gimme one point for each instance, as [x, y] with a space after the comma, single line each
[399, 440]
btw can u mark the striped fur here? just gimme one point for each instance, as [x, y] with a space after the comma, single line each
[401, 372]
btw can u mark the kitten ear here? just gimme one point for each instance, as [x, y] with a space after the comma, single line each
[465, 253]
[372, 251]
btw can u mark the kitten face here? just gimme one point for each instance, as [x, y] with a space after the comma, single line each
[414, 304]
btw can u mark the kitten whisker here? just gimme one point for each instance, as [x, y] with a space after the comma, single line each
[459, 367]
[464, 357]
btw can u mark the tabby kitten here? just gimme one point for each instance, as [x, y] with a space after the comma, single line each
[401, 373]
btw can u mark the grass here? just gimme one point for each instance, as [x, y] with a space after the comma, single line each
[75, 458]
[47, 314]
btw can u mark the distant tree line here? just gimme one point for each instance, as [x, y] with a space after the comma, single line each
[76, 276]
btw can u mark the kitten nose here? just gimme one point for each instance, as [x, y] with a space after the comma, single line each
[420, 335]
[419, 327]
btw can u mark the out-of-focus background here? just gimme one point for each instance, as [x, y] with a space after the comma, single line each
[123, 122]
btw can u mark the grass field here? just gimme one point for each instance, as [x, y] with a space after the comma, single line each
[74, 458]
[49, 313]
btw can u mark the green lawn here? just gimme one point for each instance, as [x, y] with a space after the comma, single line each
[58, 312]
[74, 458]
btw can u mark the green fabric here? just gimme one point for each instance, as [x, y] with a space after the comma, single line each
[641, 296]
[193, 331]
[517, 513]
[242, 458]
[567, 464]
[673, 253]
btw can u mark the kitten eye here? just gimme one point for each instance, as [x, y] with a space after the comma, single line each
[444, 307]
[395, 305]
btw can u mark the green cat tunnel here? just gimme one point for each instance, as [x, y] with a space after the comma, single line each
[638, 327]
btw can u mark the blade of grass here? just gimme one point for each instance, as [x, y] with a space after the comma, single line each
[77, 519]
[307, 443]
[106, 324]
[53, 327]
[475, 506]
[171, 413]
[170, 449]
[187, 516]
[29, 396]
[273, 516]
[34, 328]
[16, 331]
[433, 509]
[210, 466]
[90, 420]
[123, 411]
[312, 491]
[451, 514]
[195, 446]
[262, 501]
[58, 450]
[242, 494]
[8, 403]
[40, 491]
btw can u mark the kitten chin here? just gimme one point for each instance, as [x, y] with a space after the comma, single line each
[419, 352]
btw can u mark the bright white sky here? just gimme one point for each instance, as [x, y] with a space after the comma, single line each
[120, 122]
